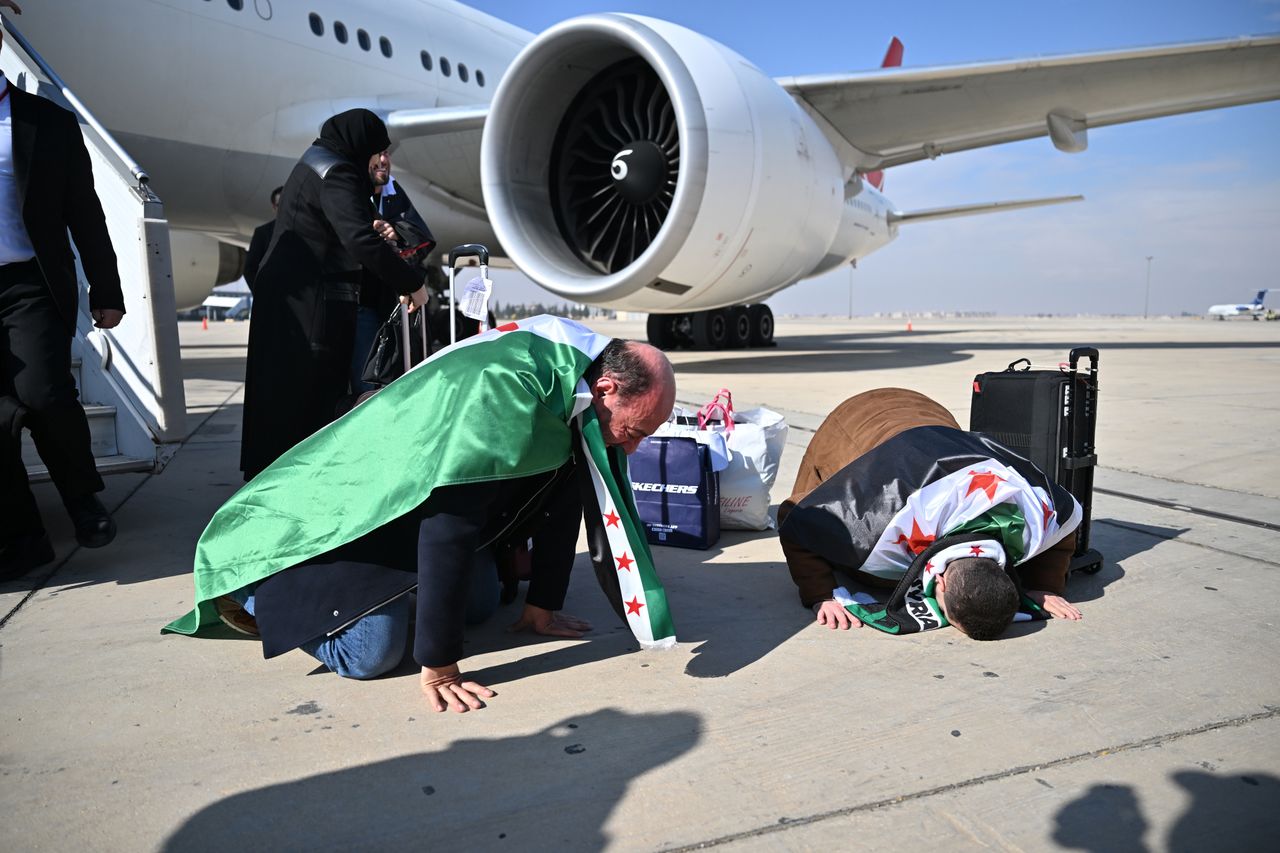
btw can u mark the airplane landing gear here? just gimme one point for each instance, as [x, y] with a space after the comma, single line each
[723, 328]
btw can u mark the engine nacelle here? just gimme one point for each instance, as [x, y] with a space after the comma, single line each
[200, 263]
[632, 163]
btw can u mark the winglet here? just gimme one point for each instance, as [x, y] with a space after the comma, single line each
[893, 56]
[892, 59]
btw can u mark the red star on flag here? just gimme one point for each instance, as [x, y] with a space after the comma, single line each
[1048, 513]
[507, 327]
[918, 541]
[612, 519]
[928, 565]
[624, 562]
[976, 550]
[986, 482]
[634, 605]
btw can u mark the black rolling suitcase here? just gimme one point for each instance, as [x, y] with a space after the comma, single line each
[1048, 416]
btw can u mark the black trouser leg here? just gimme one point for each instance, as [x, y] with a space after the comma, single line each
[36, 350]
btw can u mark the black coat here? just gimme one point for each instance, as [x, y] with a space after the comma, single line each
[55, 182]
[258, 245]
[303, 327]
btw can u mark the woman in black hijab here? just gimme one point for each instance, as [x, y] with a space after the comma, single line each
[306, 292]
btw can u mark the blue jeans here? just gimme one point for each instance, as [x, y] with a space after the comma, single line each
[375, 644]
[367, 324]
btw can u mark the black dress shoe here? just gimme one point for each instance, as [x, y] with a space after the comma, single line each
[24, 554]
[94, 526]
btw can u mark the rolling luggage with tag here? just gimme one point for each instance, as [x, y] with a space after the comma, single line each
[1050, 417]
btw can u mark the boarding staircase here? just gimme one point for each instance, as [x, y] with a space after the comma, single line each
[129, 377]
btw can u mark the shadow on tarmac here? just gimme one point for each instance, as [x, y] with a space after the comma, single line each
[550, 790]
[1226, 812]
[891, 350]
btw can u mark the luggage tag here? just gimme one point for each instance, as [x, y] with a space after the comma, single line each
[475, 300]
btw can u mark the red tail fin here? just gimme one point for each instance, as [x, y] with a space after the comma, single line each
[892, 59]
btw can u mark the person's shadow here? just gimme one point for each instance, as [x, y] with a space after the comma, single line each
[1107, 819]
[550, 790]
[1227, 812]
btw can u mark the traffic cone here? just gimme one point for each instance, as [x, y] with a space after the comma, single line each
[908, 325]
[204, 323]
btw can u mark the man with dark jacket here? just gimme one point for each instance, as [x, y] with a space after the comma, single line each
[892, 493]
[404, 229]
[306, 292]
[46, 189]
[260, 241]
[333, 535]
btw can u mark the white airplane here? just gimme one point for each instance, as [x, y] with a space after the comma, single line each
[1254, 309]
[616, 160]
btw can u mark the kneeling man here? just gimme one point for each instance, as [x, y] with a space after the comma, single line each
[962, 530]
[522, 431]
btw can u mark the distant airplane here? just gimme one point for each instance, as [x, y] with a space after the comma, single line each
[617, 160]
[1254, 309]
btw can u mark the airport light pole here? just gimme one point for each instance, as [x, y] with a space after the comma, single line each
[1146, 300]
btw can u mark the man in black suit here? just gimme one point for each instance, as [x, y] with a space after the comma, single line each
[260, 241]
[46, 188]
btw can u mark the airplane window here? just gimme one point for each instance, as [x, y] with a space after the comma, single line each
[444, 67]
[479, 78]
[363, 38]
[462, 72]
[317, 25]
[385, 44]
[340, 32]
[426, 60]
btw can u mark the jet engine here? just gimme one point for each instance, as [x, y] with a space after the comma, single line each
[635, 164]
[200, 263]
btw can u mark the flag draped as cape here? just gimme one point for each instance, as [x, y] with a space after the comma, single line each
[493, 407]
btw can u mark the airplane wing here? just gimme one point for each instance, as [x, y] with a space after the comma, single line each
[974, 209]
[442, 146]
[897, 116]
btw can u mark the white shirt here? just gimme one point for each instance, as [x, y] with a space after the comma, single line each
[15, 245]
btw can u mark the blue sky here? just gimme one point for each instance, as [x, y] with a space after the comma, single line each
[1200, 193]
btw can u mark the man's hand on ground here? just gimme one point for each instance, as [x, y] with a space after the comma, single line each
[445, 689]
[550, 623]
[1055, 605]
[834, 615]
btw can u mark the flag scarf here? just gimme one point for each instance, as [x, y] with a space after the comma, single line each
[496, 406]
[927, 496]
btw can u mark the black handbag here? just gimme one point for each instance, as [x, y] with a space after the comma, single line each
[387, 359]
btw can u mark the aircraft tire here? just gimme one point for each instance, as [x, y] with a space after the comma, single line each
[739, 327]
[710, 329]
[659, 331]
[761, 325]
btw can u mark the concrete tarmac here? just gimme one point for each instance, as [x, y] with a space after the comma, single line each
[1150, 725]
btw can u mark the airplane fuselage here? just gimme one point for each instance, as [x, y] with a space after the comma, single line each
[218, 103]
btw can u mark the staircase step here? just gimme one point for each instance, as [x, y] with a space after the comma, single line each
[116, 464]
[102, 436]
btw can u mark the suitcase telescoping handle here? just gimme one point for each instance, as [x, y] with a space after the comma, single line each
[1090, 353]
[404, 335]
[466, 250]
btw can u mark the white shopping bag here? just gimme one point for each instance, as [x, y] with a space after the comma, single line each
[755, 439]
